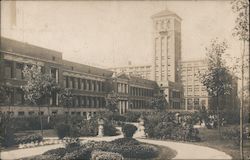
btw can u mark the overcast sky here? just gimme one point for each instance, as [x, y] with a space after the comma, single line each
[111, 33]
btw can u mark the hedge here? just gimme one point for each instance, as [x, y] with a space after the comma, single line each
[101, 155]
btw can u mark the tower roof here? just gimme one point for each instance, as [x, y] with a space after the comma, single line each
[165, 13]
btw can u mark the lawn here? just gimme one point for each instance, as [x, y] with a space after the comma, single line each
[211, 138]
[165, 153]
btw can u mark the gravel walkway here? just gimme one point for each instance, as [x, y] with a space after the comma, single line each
[184, 150]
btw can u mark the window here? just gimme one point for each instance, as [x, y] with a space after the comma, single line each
[8, 69]
[19, 69]
[65, 82]
[18, 97]
[53, 58]
[54, 112]
[21, 113]
[31, 113]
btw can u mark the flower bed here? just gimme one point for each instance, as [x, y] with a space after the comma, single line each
[101, 155]
[29, 139]
[117, 149]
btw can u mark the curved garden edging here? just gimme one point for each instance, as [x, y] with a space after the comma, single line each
[184, 150]
[190, 151]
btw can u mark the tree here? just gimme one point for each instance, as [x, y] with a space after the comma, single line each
[216, 78]
[6, 120]
[66, 98]
[241, 31]
[159, 102]
[38, 87]
[111, 101]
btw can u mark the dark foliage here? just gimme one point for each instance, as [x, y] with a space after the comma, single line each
[164, 125]
[128, 130]
[28, 139]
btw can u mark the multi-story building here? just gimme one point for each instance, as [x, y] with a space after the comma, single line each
[143, 71]
[134, 93]
[167, 55]
[89, 85]
[195, 93]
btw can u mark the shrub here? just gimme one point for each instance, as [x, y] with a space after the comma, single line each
[73, 144]
[109, 129]
[128, 130]
[100, 155]
[165, 126]
[62, 130]
[45, 157]
[117, 117]
[6, 130]
[80, 153]
[132, 116]
[125, 142]
[59, 152]
[29, 139]
[233, 134]
[136, 151]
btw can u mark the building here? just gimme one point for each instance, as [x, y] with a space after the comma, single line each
[195, 93]
[143, 71]
[89, 85]
[167, 55]
[134, 93]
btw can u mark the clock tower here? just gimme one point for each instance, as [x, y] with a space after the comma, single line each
[167, 51]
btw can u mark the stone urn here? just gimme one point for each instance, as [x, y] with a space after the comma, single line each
[100, 127]
[141, 128]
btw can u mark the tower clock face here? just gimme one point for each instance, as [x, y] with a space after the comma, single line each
[163, 26]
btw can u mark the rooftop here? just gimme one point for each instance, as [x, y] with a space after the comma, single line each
[165, 13]
[14, 46]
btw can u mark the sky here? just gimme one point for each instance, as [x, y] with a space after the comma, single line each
[111, 33]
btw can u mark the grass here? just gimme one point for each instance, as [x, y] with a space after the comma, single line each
[165, 153]
[211, 138]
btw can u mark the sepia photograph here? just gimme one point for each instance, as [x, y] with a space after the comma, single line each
[124, 79]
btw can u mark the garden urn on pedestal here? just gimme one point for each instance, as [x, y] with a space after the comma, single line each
[142, 128]
[100, 127]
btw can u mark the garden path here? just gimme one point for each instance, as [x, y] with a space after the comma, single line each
[184, 150]
[190, 151]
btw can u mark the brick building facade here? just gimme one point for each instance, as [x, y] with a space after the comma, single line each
[89, 85]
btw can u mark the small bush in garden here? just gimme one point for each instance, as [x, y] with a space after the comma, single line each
[232, 133]
[128, 130]
[136, 151]
[73, 144]
[109, 129]
[117, 117]
[45, 157]
[79, 153]
[29, 139]
[132, 116]
[59, 152]
[100, 155]
[125, 142]
[62, 130]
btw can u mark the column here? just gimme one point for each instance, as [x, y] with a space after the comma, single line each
[57, 80]
[13, 69]
[100, 86]
[97, 86]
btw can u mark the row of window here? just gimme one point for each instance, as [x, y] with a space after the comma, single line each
[54, 112]
[139, 104]
[14, 69]
[82, 84]
[122, 88]
[135, 91]
[87, 101]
